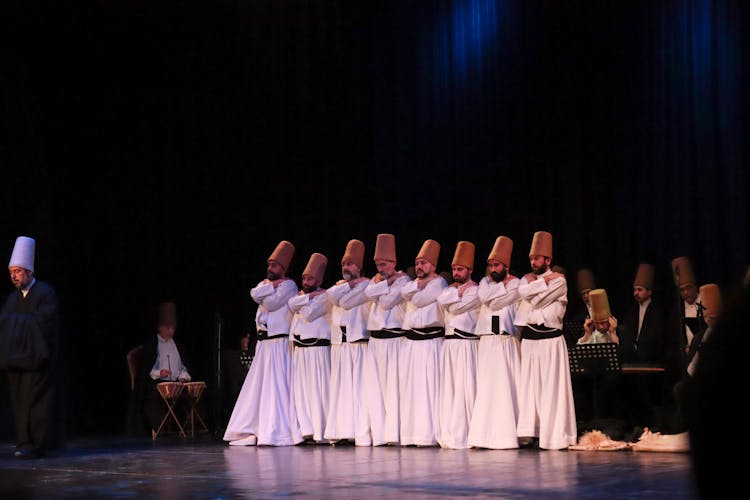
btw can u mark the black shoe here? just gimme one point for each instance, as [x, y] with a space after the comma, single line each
[342, 442]
[529, 443]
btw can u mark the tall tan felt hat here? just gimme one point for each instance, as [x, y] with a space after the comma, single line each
[283, 254]
[316, 267]
[644, 276]
[23, 253]
[385, 247]
[599, 305]
[682, 271]
[430, 252]
[355, 252]
[464, 255]
[167, 314]
[585, 280]
[541, 244]
[502, 250]
[711, 299]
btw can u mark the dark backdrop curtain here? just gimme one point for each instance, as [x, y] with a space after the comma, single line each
[617, 126]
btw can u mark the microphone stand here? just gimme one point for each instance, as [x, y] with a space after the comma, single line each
[682, 343]
[217, 408]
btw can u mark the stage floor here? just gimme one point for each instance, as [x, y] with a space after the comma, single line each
[203, 467]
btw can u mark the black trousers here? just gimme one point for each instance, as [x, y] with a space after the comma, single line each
[34, 400]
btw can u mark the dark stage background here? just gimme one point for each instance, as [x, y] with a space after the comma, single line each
[160, 150]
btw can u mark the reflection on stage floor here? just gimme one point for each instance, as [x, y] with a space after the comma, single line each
[208, 468]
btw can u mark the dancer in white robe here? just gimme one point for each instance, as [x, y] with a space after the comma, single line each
[547, 410]
[419, 359]
[311, 359]
[347, 415]
[384, 324]
[495, 415]
[264, 412]
[458, 356]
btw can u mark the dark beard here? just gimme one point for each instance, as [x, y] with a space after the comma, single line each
[271, 276]
[541, 270]
[309, 289]
[499, 277]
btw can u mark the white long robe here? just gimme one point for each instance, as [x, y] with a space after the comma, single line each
[347, 414]
[547, 409]
[495, 415]
[311, 366]
[458, 359]
[264, 406]
[381, 362]
[419, 366]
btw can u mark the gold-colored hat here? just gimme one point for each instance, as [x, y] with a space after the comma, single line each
[711, 299]
[283, 254]
[316, 267]
[585, 280]
[541, 244]
[502, 250]
[430, 252]
[355, 252]
[385, 247]
[682, 271]
[599, 305]
[464, 255]
[644, 276]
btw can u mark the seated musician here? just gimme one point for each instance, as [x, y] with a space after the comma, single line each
[163, 360]
[600, 327]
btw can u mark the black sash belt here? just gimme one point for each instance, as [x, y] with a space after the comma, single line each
[460, 334]
[310, 342]
[263, 335]
[433, 332]
[539, 332]
[496, 325]
[343, 338]
[387, 333]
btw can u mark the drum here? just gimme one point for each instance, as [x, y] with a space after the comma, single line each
[195, 389]
[194, 393]
[170, 390]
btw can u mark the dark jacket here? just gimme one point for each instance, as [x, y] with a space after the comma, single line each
[649, 348]
[135, 419]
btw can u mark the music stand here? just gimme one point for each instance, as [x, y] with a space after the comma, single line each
[573, 330]
[594, 360]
